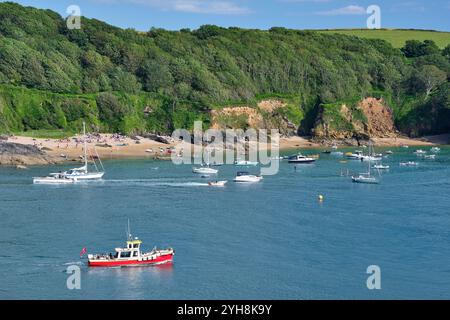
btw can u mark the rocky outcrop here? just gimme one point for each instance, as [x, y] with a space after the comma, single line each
[268, 114]
[380, 119]
[14, 154]
[156, 138]
[369, 118]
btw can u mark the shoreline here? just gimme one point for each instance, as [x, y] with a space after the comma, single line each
[109, 146]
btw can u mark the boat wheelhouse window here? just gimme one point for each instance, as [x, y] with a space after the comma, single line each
[129, 246]
[135, 253]
[125, 254]
[136, 245]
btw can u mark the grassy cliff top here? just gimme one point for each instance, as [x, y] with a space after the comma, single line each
[397, 37]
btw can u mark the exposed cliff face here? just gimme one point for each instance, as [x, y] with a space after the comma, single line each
[19, 154]
[268, 114]
[380, 120]
[369, 118]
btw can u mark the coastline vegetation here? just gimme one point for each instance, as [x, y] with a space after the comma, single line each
[121, 80]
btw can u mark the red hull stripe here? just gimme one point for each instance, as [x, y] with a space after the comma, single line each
[159, 260]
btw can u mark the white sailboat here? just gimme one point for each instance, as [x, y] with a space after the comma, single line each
[83, 172]
[366, 177]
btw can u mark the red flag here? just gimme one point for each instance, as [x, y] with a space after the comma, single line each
[83, 252]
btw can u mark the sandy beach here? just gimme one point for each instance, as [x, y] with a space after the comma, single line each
[110, 146]
[106, 146]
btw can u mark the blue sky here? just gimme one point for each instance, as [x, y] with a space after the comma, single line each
[262, 14]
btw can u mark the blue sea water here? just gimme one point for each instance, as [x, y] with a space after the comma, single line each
[272, 240]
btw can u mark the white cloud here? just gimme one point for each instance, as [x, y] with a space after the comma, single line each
[220, 7]
[348, 10]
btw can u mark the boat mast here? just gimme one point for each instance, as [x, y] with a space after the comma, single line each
[85, 148]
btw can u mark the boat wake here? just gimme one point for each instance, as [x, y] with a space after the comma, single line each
[154, 183]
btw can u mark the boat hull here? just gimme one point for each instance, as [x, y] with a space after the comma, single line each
[87, 176]
[53, 181]
[364, 180]
[205, 171]
[168, 258]
[247, 179]
[302, 161]
[245, 163]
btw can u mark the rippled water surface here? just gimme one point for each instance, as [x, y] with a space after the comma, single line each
[271, 240]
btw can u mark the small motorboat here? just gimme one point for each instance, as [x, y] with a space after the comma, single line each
[389, 152]
[430, 156]
[246, 177]
[371, 158]
[357, 155]
[205, 170]
[217, 183]
[420, 152]
[435, 149]
[409, 164]
[54, 179]
[131, 255]
[299, 158]
[245, 163]
[381, 167]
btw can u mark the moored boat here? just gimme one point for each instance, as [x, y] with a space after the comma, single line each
[357, 155]
[299, 158]
[435, 149]
[409, 164]
[205, 170]
[381, 166]
[365, 178]
[246, 177]
[245, 163]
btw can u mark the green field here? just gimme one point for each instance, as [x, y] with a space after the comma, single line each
[397, 37]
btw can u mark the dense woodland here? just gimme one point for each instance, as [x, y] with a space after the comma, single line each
[128, 81]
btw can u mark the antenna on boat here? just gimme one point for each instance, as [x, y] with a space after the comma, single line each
[129, 237]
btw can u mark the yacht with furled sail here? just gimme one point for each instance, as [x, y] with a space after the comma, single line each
[366, 177]
[131, 255]
[83, 172]
[76, 174]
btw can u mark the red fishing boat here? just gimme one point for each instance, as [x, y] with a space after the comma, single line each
[131, 255]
